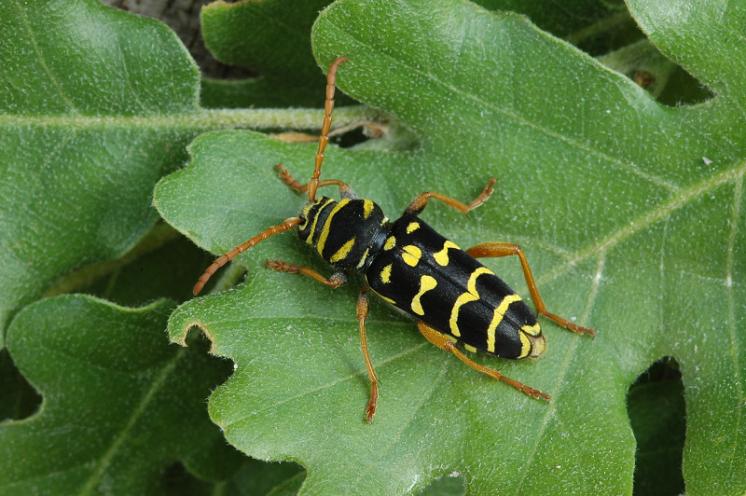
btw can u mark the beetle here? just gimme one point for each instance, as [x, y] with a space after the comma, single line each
[453, 297]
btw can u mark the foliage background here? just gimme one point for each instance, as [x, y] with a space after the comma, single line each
[616, 134]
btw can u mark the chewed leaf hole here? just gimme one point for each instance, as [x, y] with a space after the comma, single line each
[354, 136]
[647, 67]
[453, 484]
[617, 41]
[18, 399]
[657, 413]
[198, 336]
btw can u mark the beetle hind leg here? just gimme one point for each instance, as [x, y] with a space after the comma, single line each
[497, 250]
[441, 341]
[361, 314]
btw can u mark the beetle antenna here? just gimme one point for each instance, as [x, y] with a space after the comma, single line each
[285, 225]
[331, 77]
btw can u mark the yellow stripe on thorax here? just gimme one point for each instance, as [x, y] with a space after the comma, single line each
[343, 251]
[304, 215]
[464, 298]
[309, 239]
[367, 208]
[325, 230]
[426, 284]
[497, 317]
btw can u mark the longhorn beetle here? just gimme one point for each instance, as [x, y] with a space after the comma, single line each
[454, 298]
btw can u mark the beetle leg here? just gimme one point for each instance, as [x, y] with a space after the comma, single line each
[362, 314]
[419, 203]
[331, 78]
[285, 225]
[507, 249]
[441, 341]
[344, 189]
[334, 281]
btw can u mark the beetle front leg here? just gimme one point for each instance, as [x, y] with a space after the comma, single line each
[334, 281]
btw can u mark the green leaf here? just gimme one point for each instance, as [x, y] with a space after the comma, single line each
[575, 19]
[95, 106]
[716, 60]
[77, 184]
[630, 213]
[255, 478]
[271, 37]
[77, 164]
[119, 406]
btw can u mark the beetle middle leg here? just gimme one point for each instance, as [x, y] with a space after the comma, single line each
[506, 249]
[441, 341]
[419, 203]
[361, 312]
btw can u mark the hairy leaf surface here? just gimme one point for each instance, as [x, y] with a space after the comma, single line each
[95, 106]
[120, 404]
[629, 211]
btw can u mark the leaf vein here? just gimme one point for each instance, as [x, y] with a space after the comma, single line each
[137, 413]
[733, 335]
[662, 211]
[323, 387]
[569, 357]
[42, 60]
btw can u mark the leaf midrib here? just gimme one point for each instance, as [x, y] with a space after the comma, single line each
[662, 211]
[199, 118]
[569, 357]
[137, 413]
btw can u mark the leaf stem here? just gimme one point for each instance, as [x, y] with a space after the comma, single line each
[202, 119]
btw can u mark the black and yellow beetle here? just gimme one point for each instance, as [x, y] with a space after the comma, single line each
[454, 298]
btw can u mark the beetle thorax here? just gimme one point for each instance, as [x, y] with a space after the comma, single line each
[346, 233]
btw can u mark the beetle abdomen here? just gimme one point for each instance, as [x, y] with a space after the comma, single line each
[432, 279]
